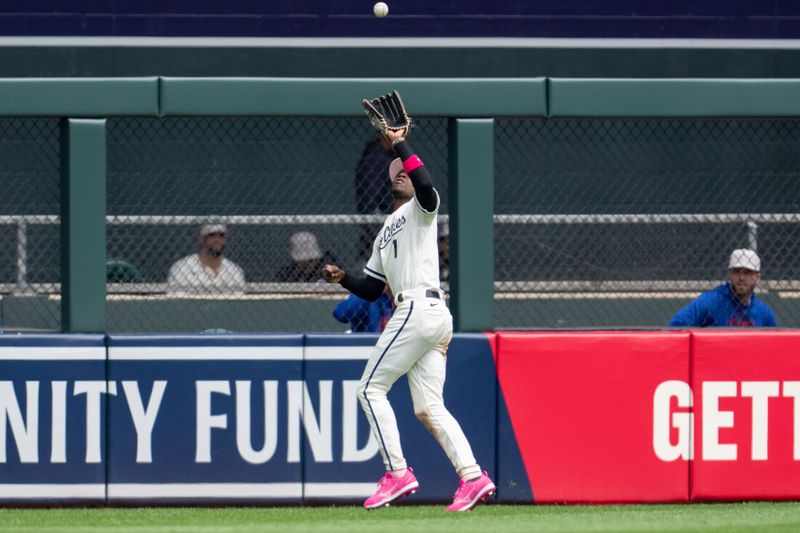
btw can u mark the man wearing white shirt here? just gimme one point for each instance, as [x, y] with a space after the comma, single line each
[208, 271]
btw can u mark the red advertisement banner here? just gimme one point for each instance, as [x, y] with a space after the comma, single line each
[746, 388]
[599, 416]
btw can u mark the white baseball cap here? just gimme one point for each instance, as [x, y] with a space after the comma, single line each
[207, 229]
[395, 167]
[303, 246]
[744, 258]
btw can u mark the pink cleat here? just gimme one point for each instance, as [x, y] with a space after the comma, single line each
[469, 493]
[391, 488]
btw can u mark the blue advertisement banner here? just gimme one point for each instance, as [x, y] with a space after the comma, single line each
[53, 394]
[204, 418]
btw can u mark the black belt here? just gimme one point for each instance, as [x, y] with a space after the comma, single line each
[430, 293]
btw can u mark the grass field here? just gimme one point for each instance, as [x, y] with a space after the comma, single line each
[727, 517]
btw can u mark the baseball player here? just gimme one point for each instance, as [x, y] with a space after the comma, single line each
[405, 257]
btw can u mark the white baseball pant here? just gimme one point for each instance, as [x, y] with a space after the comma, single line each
[414, 343]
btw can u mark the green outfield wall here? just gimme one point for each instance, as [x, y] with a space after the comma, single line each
[470, 105]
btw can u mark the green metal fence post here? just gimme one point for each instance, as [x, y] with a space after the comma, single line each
[471, 160]
[83, 231]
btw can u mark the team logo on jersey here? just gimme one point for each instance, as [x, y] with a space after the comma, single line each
[395, 227]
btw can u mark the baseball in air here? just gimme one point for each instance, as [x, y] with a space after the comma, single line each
[380, 9]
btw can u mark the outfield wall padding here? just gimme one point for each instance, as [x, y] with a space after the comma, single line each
[581, 406]
[554, 417]
[168, 96]
[53, 428]
[746, 388]
[672, 97]
[239, 419]
[79, 97]
[445, 97]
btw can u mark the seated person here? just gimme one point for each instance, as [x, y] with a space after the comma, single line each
[208, 271]
[373, 190]
[733, 304]
[307, 259]
[365, 316]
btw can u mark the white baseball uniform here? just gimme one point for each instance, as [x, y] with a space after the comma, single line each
[405, 256]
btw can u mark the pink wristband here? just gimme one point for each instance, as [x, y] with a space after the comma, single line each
[412, 163]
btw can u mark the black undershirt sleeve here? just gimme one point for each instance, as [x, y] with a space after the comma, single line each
[370, 288]
[365, 287]
[420, 177]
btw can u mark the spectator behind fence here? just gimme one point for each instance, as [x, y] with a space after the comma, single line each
[373, 190]
[733, 304]
[365, 316]
[307, 259]
[444, 252]
[208, 271]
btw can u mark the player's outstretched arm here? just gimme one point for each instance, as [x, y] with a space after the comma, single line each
[365, 287]
[419, 175]
[388, 115]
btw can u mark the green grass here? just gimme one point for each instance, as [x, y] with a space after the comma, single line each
[727, 517]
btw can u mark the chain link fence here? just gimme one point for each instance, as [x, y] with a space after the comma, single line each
[277, 197]
[599, 222]
[30, 272]
[610, 222]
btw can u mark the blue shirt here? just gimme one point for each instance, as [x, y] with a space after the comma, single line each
[720, 308]
[365, 316]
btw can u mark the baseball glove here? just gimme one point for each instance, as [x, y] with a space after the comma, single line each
[388, 113]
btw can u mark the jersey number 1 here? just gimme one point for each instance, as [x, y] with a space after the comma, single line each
[394, 245]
